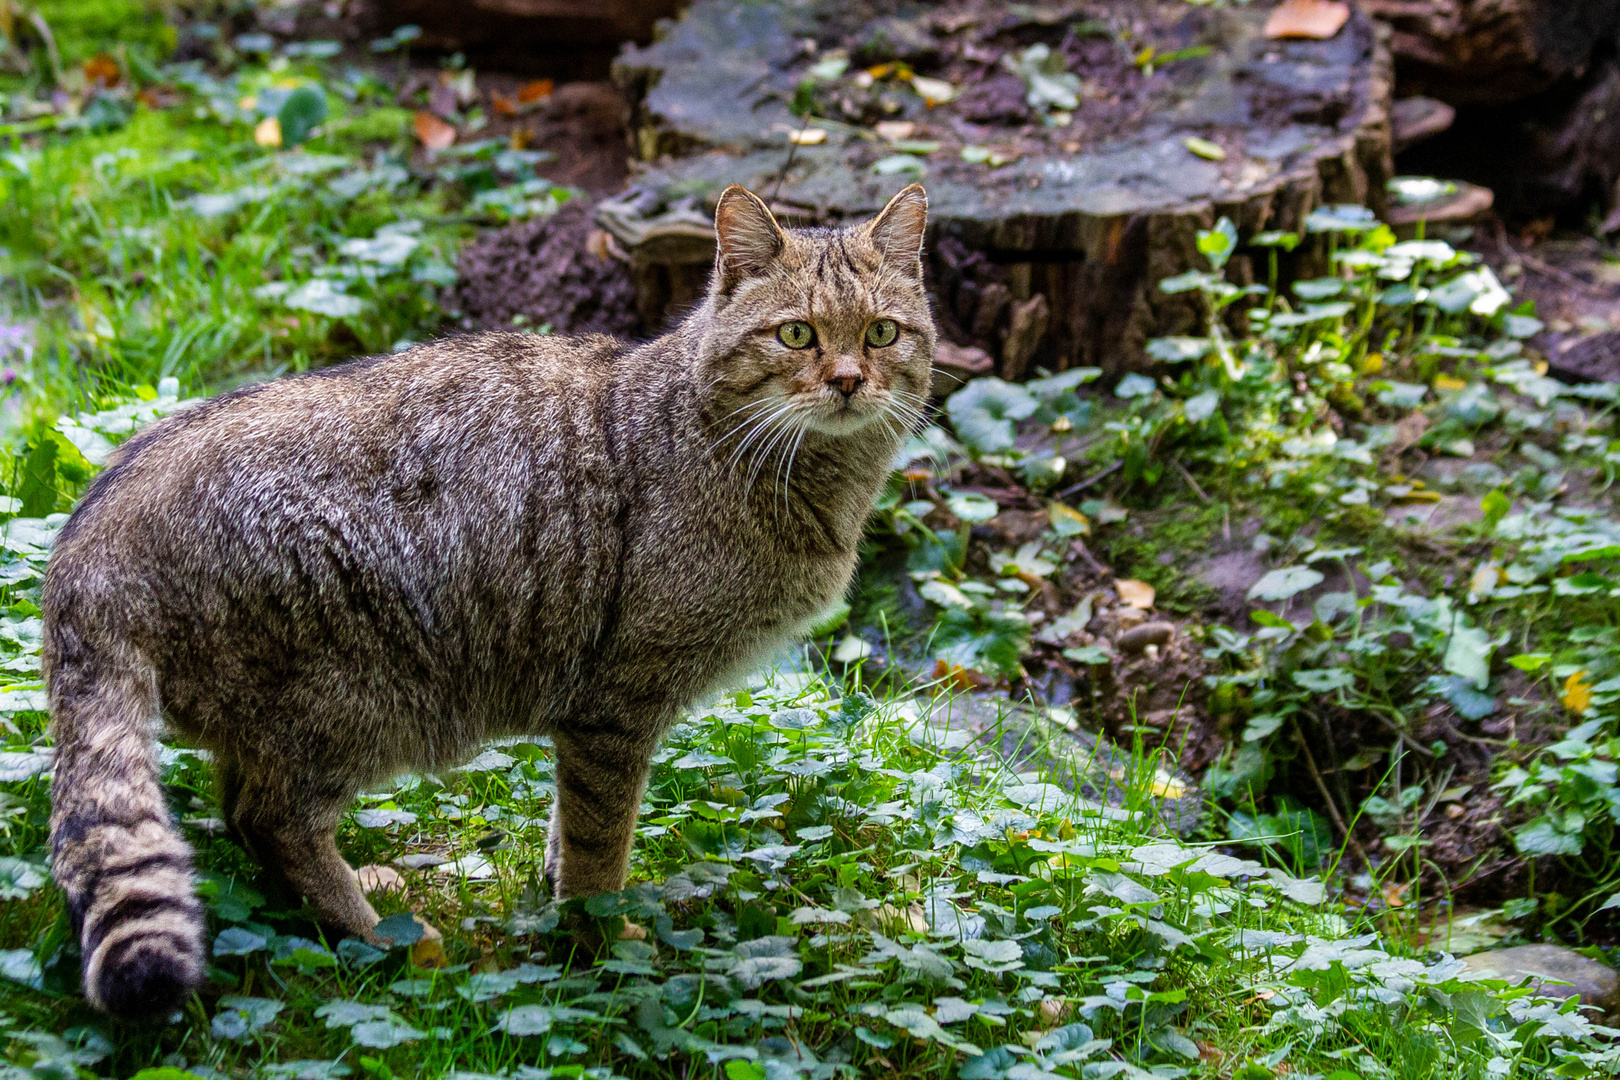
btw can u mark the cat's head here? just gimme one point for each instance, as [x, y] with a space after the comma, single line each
[824, 330]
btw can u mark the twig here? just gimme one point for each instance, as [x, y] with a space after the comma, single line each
[1332, 807]
[1404, 737]
[1187, 476]
[1088, 481]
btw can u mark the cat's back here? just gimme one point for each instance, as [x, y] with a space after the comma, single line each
[432, 416]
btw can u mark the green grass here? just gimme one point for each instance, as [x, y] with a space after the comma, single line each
[827, 884]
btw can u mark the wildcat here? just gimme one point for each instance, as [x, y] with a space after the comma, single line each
[332, 578]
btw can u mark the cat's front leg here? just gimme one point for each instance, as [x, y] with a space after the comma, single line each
[600, 777]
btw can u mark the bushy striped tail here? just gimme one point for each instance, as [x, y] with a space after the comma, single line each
[114, 846]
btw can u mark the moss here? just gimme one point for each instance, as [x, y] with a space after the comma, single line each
[83, 28]
[1159, 547]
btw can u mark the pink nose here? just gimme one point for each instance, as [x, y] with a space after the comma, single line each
[846, 384]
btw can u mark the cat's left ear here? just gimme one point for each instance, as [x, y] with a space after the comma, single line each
[897, 232]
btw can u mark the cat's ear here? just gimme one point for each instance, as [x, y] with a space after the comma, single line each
[748, 237]
[897, 232]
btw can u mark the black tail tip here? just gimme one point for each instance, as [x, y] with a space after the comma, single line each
[149, 983]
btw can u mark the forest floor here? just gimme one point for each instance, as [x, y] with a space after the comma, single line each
[1185, 726]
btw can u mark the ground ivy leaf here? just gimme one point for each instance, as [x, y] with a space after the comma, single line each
[1284, 583]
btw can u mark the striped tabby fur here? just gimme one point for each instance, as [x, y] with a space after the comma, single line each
[336, 577]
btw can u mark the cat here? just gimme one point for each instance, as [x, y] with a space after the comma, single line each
[335, 577]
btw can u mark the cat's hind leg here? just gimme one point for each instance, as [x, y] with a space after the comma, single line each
[291, 829]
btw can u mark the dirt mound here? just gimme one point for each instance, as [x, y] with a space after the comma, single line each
[542, 273]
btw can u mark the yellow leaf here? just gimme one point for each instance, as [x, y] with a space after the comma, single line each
[1373, 364]
[808, 136]
[1074, 522]
[268, 133]
[1447, 382]
[1138, 594]
[1167, 787]
[1577, 695]
[1210, 151]
[1484, 581]
[428, 953]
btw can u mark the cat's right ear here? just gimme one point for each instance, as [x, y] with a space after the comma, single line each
[748, 238]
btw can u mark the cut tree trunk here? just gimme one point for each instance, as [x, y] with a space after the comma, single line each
[1053, 259]
[1491, 52]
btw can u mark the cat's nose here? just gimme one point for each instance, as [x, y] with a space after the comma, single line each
[845, 384]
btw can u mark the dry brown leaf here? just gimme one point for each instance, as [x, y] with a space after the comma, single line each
[503, 105]
[1137, 594]
[949, 676]
[535, 91]
[1319, 19]
[434, 133]
[895, 130]
[103, 69]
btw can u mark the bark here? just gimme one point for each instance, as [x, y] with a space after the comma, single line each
[1490, 52]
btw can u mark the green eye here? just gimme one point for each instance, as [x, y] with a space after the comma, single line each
[796, 335]
[881, 333]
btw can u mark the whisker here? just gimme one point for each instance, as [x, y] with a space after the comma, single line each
[787, 476]
[760, 458]
[744, 422]
[759, 426]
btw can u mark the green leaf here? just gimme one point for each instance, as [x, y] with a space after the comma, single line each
[900, 163]
[1542, 837]
[972, 507]
[985, 411]
[302, 112]
[1324, 680]
[1468, 654]
[1217, 244]
[401, 929]
[1285, 582]
[1179, 350]
[1495, 506]
[1134, 385]
[1341, 217]
[1210, 151]
[238, 1017]
[235, 941]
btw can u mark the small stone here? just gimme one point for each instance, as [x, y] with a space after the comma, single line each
[1054, 1011]
[375, 878]
[1140, 637]
[421, 861]
[1597, 984]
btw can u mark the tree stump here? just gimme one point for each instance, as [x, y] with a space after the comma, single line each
[1051, 224]
[1492, 52]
